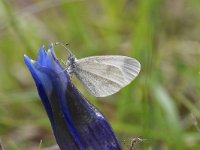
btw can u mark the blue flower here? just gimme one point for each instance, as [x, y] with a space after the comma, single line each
[76, 123]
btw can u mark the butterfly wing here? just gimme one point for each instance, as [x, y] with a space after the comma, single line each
[106, 75]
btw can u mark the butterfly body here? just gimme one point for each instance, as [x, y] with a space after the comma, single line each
[71, 64]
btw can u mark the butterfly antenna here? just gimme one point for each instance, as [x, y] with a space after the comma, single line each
[58, 43]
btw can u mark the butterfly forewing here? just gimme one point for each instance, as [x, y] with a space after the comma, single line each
[106, 75]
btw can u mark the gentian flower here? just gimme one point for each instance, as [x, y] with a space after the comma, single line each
[76, 123]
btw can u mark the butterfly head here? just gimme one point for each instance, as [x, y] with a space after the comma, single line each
[70, 63]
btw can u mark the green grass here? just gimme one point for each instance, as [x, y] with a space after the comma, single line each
[162, 35]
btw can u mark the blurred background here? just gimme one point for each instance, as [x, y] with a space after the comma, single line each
[162, 105]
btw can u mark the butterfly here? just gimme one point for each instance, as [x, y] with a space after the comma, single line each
[103, 75]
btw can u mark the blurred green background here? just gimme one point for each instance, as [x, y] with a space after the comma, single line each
[161, 105]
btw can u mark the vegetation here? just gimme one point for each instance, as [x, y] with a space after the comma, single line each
[161, 105]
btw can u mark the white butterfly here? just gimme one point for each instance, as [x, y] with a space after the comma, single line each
[103, 75]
